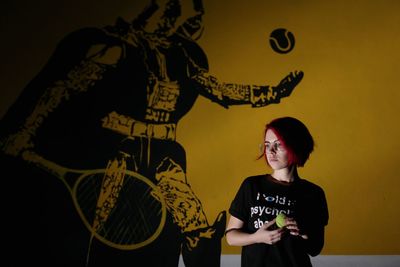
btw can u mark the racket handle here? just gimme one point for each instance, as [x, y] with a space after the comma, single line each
[50, 167]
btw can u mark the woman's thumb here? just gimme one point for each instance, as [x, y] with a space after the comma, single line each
[267, 225]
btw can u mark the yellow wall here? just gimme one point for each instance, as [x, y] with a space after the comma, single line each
[349, 96]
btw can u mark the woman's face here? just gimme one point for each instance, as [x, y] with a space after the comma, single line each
[275, 152]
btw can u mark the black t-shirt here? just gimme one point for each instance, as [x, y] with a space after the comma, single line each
[260, 198]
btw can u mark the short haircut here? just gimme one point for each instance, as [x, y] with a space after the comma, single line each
[295, 138]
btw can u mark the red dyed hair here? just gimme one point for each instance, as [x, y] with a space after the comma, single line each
[295, 138]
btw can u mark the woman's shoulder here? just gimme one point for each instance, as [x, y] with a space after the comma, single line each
[307, 185]
[254, 181]
[253, 178]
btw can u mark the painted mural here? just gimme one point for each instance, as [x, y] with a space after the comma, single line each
[91, 144]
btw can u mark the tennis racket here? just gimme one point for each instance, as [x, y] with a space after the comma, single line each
[126, 213]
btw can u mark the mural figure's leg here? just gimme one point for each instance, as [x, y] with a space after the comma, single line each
[207, 249]
[202, 246]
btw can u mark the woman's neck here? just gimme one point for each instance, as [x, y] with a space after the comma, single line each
[288, 174]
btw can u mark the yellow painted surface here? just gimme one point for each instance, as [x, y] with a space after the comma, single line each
[349, 52]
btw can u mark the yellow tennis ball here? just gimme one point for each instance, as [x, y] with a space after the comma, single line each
[280, 220]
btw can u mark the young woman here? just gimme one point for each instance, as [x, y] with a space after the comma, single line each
[260, 198]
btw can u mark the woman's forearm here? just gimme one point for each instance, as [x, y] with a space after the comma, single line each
[236, 237]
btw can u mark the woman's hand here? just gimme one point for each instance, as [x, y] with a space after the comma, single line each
[293, 228]
[264, 235]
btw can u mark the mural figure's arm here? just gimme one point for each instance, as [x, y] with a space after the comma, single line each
[142, 19]
[227, 94]
[165, 25]
[97, 59]
[193, 27]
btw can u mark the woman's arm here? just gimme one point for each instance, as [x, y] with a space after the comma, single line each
[236, 237]
[315, 241]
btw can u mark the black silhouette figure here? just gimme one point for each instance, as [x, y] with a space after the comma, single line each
[101, 117]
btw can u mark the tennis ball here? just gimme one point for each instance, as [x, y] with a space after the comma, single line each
[280, 220]
[281, 40]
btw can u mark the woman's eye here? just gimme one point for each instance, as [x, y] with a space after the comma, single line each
[276, 146]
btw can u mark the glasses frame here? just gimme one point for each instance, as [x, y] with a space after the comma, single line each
[275, 146]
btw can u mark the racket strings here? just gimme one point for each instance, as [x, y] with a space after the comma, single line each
[136, 217]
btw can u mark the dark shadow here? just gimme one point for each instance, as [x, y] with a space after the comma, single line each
[96, 175]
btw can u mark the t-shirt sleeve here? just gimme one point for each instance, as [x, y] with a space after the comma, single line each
[317, 217]
[239, 203]
[320, 215]
[312, 208]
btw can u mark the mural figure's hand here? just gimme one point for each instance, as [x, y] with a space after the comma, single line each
[16, 143]
[264, 95]
[286, 86]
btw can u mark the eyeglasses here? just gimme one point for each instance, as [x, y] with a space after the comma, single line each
[275, 146]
